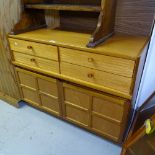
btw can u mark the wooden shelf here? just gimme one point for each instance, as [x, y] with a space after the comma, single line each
[87, 8]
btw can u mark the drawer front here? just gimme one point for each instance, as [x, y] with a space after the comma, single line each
[36, 49]
[115, 82]
[109, 64]
[40, 63]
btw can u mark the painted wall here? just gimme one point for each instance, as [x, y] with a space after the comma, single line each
[147, 86]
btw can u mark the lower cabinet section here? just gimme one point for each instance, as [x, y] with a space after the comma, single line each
[104, 114]
[101, 113]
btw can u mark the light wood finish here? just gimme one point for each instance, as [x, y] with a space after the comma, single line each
[107, 108]
[36, 62]
[71, 79]
[10, 100]
[109, 64]
[39, 91]
[122, 46]
[112, 81]
[48, 87]
[35, 49]
[76, 115]
[105, 127]
[8, 85]
[27, 80]
[64, 7]
[97, 112]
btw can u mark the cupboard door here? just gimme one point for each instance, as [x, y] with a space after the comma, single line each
[99, 112]
[39, 90]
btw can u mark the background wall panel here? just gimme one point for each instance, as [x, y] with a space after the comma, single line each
[9, 15]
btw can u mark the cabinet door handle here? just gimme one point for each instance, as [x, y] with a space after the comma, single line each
[90, 75]
[29, 47]
[32, 60]
[90, 60]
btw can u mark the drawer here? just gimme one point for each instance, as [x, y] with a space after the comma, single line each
[112, 81]
[35, 49]
[40, 63]
[109, 64]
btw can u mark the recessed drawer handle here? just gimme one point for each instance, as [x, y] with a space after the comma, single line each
[90, 75]
[32, 60]
[90, 60]
[29, 47]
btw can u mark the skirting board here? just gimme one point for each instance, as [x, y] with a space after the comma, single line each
[10, 100]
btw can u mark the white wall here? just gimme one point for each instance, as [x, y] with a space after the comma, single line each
[147, 86]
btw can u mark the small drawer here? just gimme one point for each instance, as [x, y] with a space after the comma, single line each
[109, 64]
[35, 49]
[40, 63]
[112, 81]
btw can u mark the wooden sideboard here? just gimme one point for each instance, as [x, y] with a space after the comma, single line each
[90, 87]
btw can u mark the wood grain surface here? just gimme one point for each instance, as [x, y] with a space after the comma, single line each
[132, 17]
[9, 14]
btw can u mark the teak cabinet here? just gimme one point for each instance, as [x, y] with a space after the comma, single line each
[88, 87]
[59, 72]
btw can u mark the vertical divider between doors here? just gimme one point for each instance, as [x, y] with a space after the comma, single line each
[61, 98]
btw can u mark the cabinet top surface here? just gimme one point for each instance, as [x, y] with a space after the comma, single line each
[119, 45]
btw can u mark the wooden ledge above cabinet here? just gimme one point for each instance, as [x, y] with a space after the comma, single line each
[119, 45]
[95, 17]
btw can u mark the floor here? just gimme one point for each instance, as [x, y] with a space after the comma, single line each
[27, 131]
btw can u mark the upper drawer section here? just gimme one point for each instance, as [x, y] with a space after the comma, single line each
[109, 64]
[35, 49]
